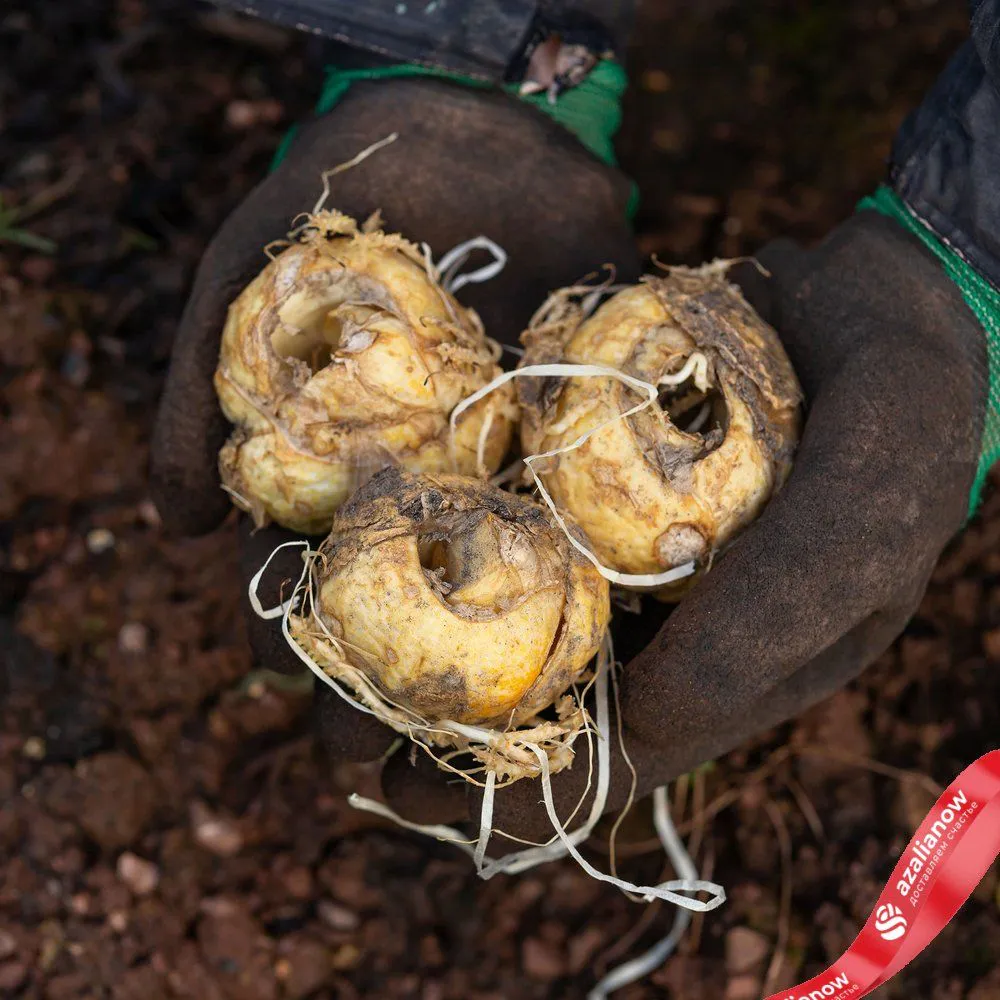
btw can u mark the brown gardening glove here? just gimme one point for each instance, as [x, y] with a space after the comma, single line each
[893, 366]
[466, 163]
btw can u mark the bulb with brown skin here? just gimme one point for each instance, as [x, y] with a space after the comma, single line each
[676, 482]
[456, 599]
[344, 355]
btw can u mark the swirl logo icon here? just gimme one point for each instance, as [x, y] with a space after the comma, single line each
[890, 922]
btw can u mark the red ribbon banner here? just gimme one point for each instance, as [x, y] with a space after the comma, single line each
[944, 862]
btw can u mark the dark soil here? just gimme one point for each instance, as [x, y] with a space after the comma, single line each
[167, 830]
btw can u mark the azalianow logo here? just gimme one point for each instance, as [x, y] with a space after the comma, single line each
[890, 922]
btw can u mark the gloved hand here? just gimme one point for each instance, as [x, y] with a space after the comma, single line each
[467, 162]
[893, 366]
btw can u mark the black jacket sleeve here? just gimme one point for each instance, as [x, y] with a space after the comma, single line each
[482, 38]
[946, 158]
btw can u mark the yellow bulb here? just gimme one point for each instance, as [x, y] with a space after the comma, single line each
[457, 600]
[345, 355]
[677, 481]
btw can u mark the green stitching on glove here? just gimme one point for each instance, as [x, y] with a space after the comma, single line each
[984, 301]
[591, 110]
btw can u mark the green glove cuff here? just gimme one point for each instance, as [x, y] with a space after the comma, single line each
[984, 301]
[591, 110]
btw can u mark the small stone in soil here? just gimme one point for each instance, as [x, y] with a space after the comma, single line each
[133, 638]
[149, 515]
[746, 950]
[541, 960]
[583, 947]
[140, 875]
[100, 540]
[743, 988]
[38, 269]
[991, 644]
[217, 834]
[305, 967]
[118, 799]
[336, 916]
[298, 882]
[12, 976]
[345, 957]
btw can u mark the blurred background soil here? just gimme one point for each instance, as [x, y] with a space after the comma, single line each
[166, 829]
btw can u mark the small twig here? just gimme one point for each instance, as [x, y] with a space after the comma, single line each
[698, 920]
[48, 196]
[718, 805]
[785, 905]
[694, 849]
[729, 798]
[698, 814]
[899, 774]
[108, 58]
[275, 759]
[624, 944]
[256, 681]
[682, 786]
[808, 809]
[11, 216]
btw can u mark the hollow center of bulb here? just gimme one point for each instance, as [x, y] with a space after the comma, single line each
[694, 411]
[313, 336]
